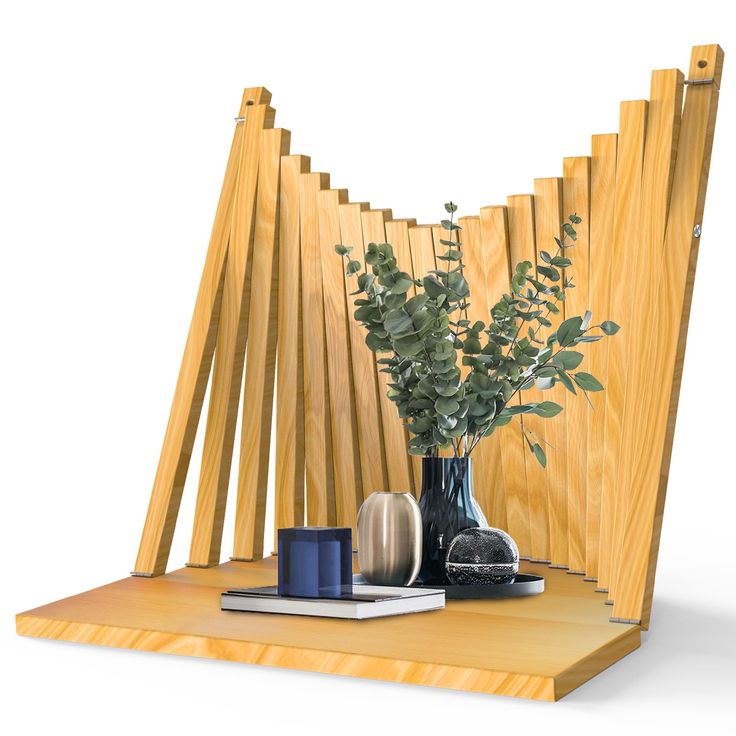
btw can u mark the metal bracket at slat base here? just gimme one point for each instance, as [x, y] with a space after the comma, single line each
[141, 574]
[635, 621]
[709, 80]
[591, 580]
[601, 590]
[559, 567]
[608, 603]
[576, 572]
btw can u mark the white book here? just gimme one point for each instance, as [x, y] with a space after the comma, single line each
[367, 601]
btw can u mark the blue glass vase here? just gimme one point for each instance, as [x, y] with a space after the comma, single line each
[448, 507]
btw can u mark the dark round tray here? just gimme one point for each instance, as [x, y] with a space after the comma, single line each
[522, 585]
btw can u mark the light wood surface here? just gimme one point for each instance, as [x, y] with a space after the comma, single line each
[345, 456]
[289, 488]
[320, 476]
[576, 200]
[602, 192]
[538, 647]
[168, 485]
[667, 349]
[260, 361]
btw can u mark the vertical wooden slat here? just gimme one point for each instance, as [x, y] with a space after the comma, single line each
[345, 456]
[367, 404]
[232, 335]
[260, 361]
[526, 508]
[665, 353]
[397, 233]
[627, 207]
[663, 123]
[602, 191]
[548, 221]
[494, 233]
[191, 384]
[289, 491]
[320, 477]
[576, 200]
[398, 467]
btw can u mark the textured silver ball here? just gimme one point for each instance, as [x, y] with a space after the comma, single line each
[482, 556]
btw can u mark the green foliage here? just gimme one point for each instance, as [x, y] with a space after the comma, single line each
[421, 331]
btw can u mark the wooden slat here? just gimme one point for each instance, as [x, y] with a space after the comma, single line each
[191, 384]
[494, 233]
[232, 336]
[398, 467]
[397, 233]
[548, 218]
[289, 490]
[663, 123]
[367, 403]
[576, 200]
[602, 191]
[487, 464]
[320, 476]
[260, 361]
[627, 209]
[665, 353]
[345, 456]
[526, 508]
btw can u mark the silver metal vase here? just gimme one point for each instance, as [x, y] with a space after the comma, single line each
[390, 539]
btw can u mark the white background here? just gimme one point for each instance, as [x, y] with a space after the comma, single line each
[115, 125]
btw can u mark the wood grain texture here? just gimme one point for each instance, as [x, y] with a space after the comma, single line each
[494, 233]
[666, 351]
[289, 484]
[186, 407]
[398, 467]
[487, 463]
[260, 361]
[576, 200]
[232, 336]
[345, 456]
[539, 647]
[320, 476]
[365, 377]
[602, 192]
[548, 217]
[627, 207]
[526, 508]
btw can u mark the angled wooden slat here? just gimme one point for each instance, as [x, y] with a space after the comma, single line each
[191, 384]
[320, 476]
[494, 233]
[602, 192]
[576, 200]
[398, 467]
[289, 490]
[627, 207]
[488, 468]
[548, 218]
[526, 508]
[665, 353]
[260, 361]
[232, 336]
[345, 455]
[663, 123]
[397, 233]
[367, 403]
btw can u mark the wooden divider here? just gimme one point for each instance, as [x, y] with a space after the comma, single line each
[576, 200]
[627, 209]
[665, 351]
[602, 191]
[168, 485]
[320, 476]
[398, 468]
[526, 508]
[260, 361]
[494, 233]
[289, 489]
[345, 456]
[367, 403]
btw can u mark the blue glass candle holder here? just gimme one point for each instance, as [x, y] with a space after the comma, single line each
[315, 562]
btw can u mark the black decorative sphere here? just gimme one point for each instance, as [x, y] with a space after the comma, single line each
[481, 556]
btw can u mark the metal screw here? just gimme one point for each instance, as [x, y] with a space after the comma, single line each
[697, 230]
[240, 119]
